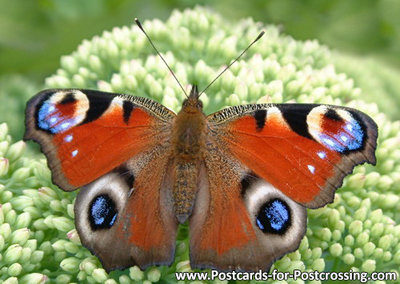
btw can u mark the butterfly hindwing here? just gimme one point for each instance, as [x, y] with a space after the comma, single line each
[241, 222]
[85, 134]
[126, 217]
[303, 150]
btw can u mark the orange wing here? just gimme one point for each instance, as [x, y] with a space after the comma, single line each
[86, 133]
[115, 146]
[303, 150]
[262, 163]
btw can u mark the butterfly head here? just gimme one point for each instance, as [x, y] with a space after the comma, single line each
[192, 104]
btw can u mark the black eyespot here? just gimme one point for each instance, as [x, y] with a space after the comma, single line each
[102, 212]
[274, 217]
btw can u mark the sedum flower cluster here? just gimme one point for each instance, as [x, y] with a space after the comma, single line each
[359, 231]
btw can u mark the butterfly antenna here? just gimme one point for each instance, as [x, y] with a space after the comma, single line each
[159, 54]
[237, 58]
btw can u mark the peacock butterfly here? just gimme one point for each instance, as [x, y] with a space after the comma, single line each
[242, 177]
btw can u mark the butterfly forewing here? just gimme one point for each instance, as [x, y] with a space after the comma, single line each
[85, 134]
[303, 150]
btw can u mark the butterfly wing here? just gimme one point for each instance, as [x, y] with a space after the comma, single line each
[303, 150]
[264, 164]
[86, 133]
[115, 146]
[229, 226]
[126, 217]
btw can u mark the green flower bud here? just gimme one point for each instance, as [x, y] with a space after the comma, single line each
[59, 245]
[361, 214]
[56, 206]
[11, 217]
[21, 174]
[371, 179]
[21, 202]
[378, 253]
[316, 253]
[318, 264]
[358, 253]
[47, 193]
[390, 201]
[81, 276]
[369, 248]
[356, 181]
[2, 242]
[37, 256]
[40, 224]
[110, 281]
[60, 255]
[70, 264]
[69, 64]
[284, 264]
[63, 278]
[70, 210]
[33, 212]
[95, 63]
[396, 257]
[368, 266]
[385, 242]
[3, 131]
[12, 254]
[387, 256]
[100, 275]
[348, 258]
[297, 264]
[73, 236]
[32, 244]
[14, 269]
[11, 280]
[5, 230]
[4, 165]
[354, 202]
[183, 266]
[3, 147]
[34, 278]
[63, 224]
[124, 279]
[384, 182]
[336, 235]
[135, 273]
[154, 275]
[336, 249]
[20, 236]
[356, 227]
[16, 150]
[6, 196]
[362, 238]
[88, 266]
[25, 255]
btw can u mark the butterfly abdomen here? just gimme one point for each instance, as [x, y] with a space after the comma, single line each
[188, 144]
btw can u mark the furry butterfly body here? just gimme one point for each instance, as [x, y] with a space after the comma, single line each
[243, 177]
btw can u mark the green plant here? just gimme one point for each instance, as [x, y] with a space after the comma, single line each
[359, 231]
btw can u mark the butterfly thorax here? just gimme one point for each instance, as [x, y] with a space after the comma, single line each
[188, 142]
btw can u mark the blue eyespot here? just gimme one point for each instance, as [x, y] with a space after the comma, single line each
[349, 138]
[50, 119]
[102, 212]
[274, 217]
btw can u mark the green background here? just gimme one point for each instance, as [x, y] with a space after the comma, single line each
[363, 36]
